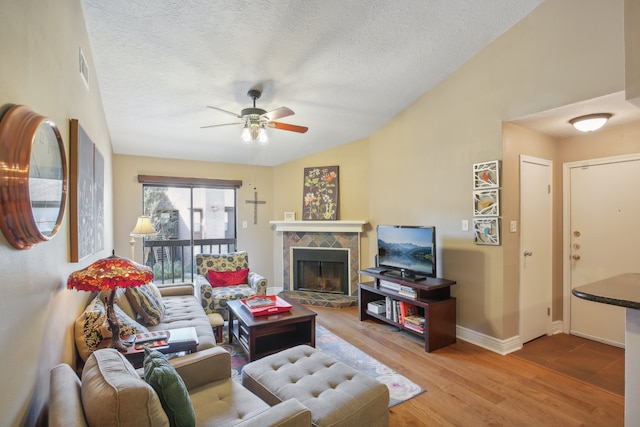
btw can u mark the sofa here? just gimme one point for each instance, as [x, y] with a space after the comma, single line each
[224, 277]
[112, 393]
[142, 309]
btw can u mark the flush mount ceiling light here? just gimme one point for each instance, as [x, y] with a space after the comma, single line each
[590, 122]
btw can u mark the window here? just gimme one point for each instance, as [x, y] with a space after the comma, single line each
[191, 217]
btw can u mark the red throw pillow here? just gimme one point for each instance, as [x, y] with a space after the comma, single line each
[228, 278]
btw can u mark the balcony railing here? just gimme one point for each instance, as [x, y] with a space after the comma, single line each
[174, 260]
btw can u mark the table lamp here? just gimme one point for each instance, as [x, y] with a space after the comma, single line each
[111, 273]
[143, 228]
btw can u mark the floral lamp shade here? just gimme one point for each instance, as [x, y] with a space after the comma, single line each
[109, 274]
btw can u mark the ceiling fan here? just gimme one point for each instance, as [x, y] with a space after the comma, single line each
[256, 120]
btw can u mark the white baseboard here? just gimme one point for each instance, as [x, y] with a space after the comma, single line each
[496, 345]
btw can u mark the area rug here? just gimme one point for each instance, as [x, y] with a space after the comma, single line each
[400, 387]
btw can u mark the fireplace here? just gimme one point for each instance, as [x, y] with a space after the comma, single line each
[341, 235]
[320, 270]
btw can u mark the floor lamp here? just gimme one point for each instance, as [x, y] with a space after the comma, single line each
[143, 228]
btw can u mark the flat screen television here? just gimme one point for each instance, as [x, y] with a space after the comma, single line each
[409, 251]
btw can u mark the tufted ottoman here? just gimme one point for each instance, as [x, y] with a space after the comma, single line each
[336, 394]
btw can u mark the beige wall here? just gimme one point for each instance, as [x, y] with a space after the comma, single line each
[39, 41]
[421, 160]
[414, 169]
[632, 53]
[354, 192]
[254, 239]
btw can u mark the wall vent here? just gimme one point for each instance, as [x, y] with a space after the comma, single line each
[84, 69]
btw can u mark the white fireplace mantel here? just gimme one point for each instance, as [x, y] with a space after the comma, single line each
[348, 226]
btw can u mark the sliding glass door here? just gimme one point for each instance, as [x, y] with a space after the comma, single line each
[189, 220]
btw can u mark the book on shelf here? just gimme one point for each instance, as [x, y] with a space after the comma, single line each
[414, 327]
[411, 293]
[414, 320]
[412, 311]
[388, 312]
[390, 285]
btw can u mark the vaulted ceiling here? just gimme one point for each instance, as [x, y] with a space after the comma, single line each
[344, 67]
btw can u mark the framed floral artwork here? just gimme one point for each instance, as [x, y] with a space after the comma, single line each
[486, 231]
[320, 193]
[486, 175]
[486, 202]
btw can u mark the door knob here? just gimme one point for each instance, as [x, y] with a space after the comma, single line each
[575, 256]
[528, 253]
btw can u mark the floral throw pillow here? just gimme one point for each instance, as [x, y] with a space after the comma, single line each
[91, 327]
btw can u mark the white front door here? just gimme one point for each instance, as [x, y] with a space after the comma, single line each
[535, 247]
[601, 239]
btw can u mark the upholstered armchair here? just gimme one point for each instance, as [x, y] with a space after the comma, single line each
[224, 277]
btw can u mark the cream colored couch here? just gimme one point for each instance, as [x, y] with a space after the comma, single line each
[181, 309]
[112, 393]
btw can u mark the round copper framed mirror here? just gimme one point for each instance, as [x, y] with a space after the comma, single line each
[33, 177]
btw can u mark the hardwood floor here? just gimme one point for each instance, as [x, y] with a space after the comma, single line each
[599, 364]
[470, 386]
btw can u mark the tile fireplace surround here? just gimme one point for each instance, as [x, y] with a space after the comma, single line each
[341, 234]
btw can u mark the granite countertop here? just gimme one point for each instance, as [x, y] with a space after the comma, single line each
[622, 290]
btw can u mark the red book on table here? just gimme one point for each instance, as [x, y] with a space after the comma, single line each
[262, 305]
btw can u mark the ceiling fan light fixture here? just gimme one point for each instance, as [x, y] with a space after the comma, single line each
[246, 135]
[263, 138]
[590, 122]
[256, 120]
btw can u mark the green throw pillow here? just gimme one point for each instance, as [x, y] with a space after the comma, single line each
[168, 384]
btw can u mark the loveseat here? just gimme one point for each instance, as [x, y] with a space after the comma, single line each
[224, 277]
[112, 393]
[142, 309]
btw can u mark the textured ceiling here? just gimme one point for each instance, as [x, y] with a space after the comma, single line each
[344, 67]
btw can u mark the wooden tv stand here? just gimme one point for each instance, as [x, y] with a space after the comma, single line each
[433, 300]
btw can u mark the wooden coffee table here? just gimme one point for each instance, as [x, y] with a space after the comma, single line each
[260, 336]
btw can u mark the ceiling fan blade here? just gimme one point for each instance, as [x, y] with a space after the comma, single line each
[278, 113]
[224, 124]
[287, 126]
[225, 111]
